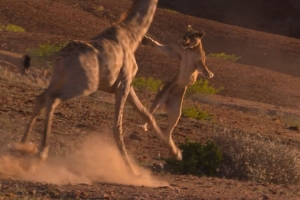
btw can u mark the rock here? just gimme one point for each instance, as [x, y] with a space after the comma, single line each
[32, 192]
[138, 198]
[134, 136]
[54, 194]
[105, 196]
[11, 195]
[177, 190]
[294, 128]
[277, 120]
[158, 167]
[264, 197]
[83, 195]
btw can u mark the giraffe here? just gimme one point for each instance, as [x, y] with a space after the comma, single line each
[107, 63]
[192, 56]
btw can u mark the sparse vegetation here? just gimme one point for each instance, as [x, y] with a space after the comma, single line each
[201, 87]
[12, 28]
[292, 120]
[43, 52]
[171, 11]
[98, 8]
[36, 80]
[254, 157]
[198, 159]
[149, 83]
[224, 56]
[195, 112]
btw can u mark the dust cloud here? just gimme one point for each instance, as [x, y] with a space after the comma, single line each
[97, 160]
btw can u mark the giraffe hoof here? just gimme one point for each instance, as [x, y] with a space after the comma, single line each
[135, 173]
[138, 175]
[178, 155]
[43, 155]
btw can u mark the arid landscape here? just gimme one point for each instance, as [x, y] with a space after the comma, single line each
[255, 117]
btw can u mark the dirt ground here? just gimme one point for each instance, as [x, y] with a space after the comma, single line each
[261, 96]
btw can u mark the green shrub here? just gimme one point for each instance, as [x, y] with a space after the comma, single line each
[149, 83]
[171, 11]
[45, 50]
[100, 8]
[224, 56]
[197, 159]
[195, 112]
[12, 28]
[42, 54]
[201, 87]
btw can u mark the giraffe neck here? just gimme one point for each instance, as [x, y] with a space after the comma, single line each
[139, 20]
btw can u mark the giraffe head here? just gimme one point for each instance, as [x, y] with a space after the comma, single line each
[191, 38]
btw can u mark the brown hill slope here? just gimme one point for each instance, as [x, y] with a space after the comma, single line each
[55, 21]
[277, 16]
[80, 20]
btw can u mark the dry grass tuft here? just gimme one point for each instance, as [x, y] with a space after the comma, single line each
[33, 79]
[253, 157]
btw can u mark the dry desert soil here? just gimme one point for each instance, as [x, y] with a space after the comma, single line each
[260, 101]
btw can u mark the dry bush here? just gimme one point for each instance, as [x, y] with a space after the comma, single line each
[32, 79]
[253, 157]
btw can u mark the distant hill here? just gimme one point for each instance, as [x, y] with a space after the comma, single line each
[276, 16]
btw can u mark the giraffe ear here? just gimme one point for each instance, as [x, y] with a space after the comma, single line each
[189, 28]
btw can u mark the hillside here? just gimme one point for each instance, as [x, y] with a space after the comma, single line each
[279, 17]
[261, 97]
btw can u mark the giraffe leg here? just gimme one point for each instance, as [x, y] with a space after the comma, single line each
[135, 102]
[173, 109]
[52, 100]
[51, 104]
[156, 103]
[120, 98]
[38, 106]
[53, 97]
[158, 100]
